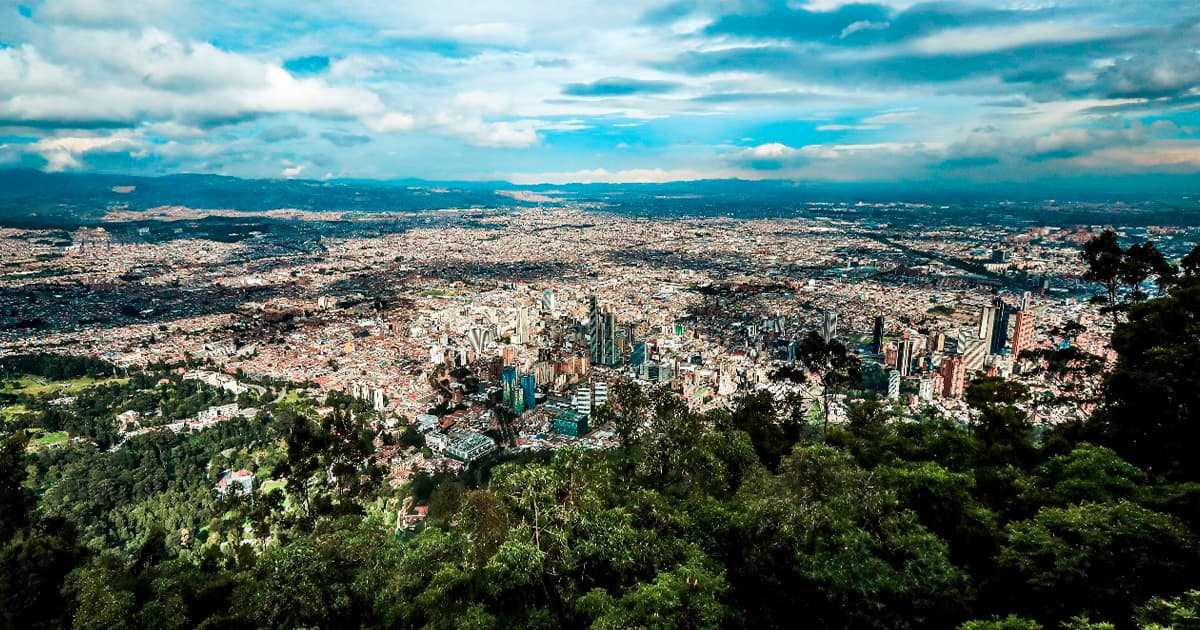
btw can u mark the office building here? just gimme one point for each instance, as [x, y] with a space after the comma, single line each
[975, 352]
[638, 356]
[509, 385]
[602, 336]
[999, 326]
[599, 395]
[894, 385]
[987, 327]
[529, 390]
[829, 326]
[571, 424]
[467, 447]
[877, 336]
[1023, 333]
[904, 355]
[954, 376]
[925, 389]
[936, 342]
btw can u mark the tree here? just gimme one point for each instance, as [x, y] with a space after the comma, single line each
[827, 543]
[1099, 559]
[772, 434]
[1087, 473]
[1115, 269]
[1001, 426]
[1152, 395]
[14, 504]
[1011, 622]
[833, 363]
[1175, 613]
[1104, 258]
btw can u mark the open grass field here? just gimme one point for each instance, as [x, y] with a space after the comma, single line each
[38, 386]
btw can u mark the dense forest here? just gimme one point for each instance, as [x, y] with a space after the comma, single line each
[755, 516]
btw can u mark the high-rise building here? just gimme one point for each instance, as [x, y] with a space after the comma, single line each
[529, 390]
[548, 301]
[925, 389]
[904, 355]
[638, 356]
[877, 336]
[954, 376]
[478, 338]
[999, 326]
[581, 402]
[599, 394]
[894, 385]
[974, 351]
[936, 342]
[1023, 334]
[602, 337]
[987, 324]
[521, 327]
[829, 326]
[508, 385]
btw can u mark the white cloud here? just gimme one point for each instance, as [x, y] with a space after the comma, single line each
[848, 127]
[862, 25]
[391, 122]
[985, 39]
[103, 13]
[117, 77]
[64, 152]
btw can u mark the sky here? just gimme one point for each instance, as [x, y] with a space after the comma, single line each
[1001, 91]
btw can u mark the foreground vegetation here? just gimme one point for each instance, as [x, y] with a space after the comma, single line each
[748, 517]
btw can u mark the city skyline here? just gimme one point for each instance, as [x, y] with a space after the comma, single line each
[625, 92]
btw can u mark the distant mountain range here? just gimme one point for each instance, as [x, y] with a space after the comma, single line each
[32, 196]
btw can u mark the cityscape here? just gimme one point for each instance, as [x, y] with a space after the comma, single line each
[741, 314]
[542, 308]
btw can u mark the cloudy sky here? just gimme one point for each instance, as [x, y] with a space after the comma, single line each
[621, 90]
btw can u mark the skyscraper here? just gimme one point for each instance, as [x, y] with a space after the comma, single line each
[974, 351]
[999, 326]
[478, 338]
[954, 376]
[1023, 334]
[638, 356]
[877, 336]
[987, 326]
[904, 355]
[602, 336]
[936, 342]
[529, 390]
[521, 327]
[894, 385]
[508, 385]
[829, 325]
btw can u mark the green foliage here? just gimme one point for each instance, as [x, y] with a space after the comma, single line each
[1152, 395]
[1095, 558]
[1087, 473]
[1178, 613]
[1011, 622]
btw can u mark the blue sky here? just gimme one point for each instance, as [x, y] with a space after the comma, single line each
[566, 91]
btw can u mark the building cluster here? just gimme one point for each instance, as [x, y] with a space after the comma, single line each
[504, 328]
